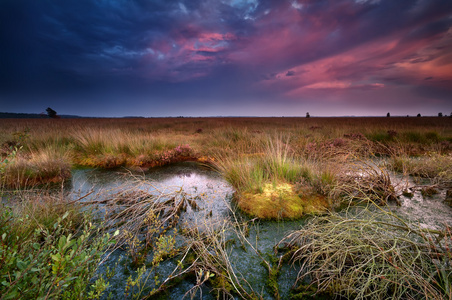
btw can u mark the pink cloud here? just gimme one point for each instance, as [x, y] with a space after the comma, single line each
[279, 36]
[174, 59]
[317, 50]
[328, 85]
[368, 66]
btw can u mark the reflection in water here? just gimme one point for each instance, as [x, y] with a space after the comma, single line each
[210, 191]
[213, 197]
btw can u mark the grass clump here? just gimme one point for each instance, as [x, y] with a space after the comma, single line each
[373, 254]
[273, 183]
[45, 166]
[435, 166]
[363, 183]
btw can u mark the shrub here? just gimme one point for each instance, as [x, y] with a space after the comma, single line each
[49, 261]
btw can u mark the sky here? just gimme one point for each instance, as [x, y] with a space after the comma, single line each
[156, 58]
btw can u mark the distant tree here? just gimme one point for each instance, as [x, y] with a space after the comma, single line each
[51, 113]
[388, 115]
[308, 115]
[418, 115]
[440, 114]
[450, 116]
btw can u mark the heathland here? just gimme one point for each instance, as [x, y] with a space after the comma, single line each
[280, 168]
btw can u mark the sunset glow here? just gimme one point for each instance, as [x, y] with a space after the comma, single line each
[234, 57]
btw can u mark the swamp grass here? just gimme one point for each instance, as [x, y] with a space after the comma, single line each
[377, 257]
[82, 139]
[275, 184]
[308, 154]
[371, 254]
[364, 252]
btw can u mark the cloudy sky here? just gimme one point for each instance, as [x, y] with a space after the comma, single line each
[226, 57]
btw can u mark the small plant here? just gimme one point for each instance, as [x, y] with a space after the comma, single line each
[429, 191]
[8, 160]
[49, 262]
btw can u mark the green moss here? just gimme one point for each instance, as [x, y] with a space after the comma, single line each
[221, 284]
[275, 201]
[274, 272]
[280, 201]
[304, 291]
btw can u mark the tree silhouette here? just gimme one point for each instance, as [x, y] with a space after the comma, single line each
[51, 113]
[388, 115]
[418, 115]
[308, 115]
[440, 114]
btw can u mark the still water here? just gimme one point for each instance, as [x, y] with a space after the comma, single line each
[213, 197]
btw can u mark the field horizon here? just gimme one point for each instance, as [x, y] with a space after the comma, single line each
[17, 115]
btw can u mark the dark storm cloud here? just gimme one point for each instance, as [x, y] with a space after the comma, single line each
[243, 50]
[78, 39]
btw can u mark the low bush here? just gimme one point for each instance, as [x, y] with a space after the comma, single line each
[47, 254]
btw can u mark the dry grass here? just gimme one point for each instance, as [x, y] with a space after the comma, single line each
[47, 165]
[372, 254]
[435, 166]
[144, 143]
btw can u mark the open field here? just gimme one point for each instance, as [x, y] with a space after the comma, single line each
[305, 155]
[150, 142]
[280, 168]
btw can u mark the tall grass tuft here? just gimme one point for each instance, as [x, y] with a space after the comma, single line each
[434, 166]
[44, 166]
[274, 183]
[274, 163]
[372, 254]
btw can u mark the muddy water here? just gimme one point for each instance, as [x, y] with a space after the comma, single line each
[214, 196]
[426, 211]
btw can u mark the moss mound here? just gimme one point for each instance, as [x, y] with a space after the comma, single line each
[280, 201]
